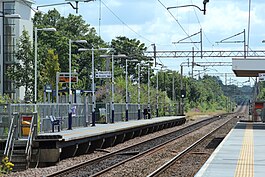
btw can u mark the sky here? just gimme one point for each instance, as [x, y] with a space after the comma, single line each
[151, 23]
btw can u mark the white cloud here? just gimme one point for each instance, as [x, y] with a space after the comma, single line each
[150, 19]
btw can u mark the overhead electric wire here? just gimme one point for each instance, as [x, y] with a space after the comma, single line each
[125, 23]
[177, 22]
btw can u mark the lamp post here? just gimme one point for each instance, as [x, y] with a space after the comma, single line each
[148, 87]
[139, 91]
[112, 81]
[157, 108]
[93, 82]
[173, 87]
[126, 92]
[149, 115]
[36, 57]
[157, 93]
[182, 92]
[70, 65]
[164, 75]
[203, 10]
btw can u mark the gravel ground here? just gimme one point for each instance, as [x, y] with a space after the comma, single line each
[149, 163]
[191, 163]
[75, 160]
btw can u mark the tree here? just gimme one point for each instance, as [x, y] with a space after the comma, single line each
[71, 27]
[133, 49]
[49, 70]
[22, 72]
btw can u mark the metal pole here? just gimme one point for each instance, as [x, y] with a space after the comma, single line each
[93, 91]
[181, 88]
[173, 90]
[139, 90]
[244, 44]
[157, 94]
[192, 64]
[165, 94]
[126, 79]
[112, 89]
[149, 111]
[57, 82]
[201, 41]
[70, 73]
[35, 74]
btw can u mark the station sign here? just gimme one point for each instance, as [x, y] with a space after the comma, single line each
[261, 76]
[48, 88]
[103, 74]
[64, 78]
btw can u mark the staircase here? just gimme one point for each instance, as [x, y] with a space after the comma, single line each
[19, 145]
[18, 156]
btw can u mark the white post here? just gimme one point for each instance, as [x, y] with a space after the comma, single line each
[70, 72]
[148, 75]
[149, 114]
[57, 92]
[93, 91]
[139, 90]
[126, 80]
[112, 89]
[35, 73]
[173, 88]
[157, 94]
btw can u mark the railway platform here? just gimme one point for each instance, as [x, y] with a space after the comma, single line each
[54, 146]
[241, 153]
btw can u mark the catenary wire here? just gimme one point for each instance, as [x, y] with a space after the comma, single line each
[177, 22]
[125, 23]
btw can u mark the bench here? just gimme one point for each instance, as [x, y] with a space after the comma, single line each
[55, 122]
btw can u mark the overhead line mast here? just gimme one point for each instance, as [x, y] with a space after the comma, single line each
[206, 53]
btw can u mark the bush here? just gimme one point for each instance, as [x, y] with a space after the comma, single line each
[6, 167]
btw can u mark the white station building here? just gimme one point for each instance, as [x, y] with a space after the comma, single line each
[15, 17]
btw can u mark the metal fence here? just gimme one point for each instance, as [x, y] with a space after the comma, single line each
[82, 115]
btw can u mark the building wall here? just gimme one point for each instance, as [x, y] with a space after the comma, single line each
[18, 26]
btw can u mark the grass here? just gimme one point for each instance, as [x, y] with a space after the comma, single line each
[192, 115]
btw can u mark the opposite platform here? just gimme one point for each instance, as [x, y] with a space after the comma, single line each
[100, 129]
[240, 154]
[69, 143]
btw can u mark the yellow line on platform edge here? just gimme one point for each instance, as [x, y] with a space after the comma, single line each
[245, 163]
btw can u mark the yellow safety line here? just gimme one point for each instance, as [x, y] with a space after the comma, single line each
[245, 163]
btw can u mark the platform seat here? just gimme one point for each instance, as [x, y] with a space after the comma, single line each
[55, 122]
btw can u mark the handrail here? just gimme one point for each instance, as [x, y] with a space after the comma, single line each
[30, 140]
[10, 137]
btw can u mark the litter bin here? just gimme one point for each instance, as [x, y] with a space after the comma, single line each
[25, 128]
[25, 124]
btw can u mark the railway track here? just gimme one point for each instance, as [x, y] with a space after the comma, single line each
[165, 169]
[103, 164]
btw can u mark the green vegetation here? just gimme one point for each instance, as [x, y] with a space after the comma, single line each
[205, 94]
[6, 166]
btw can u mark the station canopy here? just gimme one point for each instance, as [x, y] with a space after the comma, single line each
[248, 67]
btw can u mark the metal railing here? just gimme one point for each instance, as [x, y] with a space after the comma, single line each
[31, 136]
[82, 116]
[10, 138]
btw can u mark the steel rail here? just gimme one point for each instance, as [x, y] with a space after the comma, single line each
[92, 161]
[169, 163]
